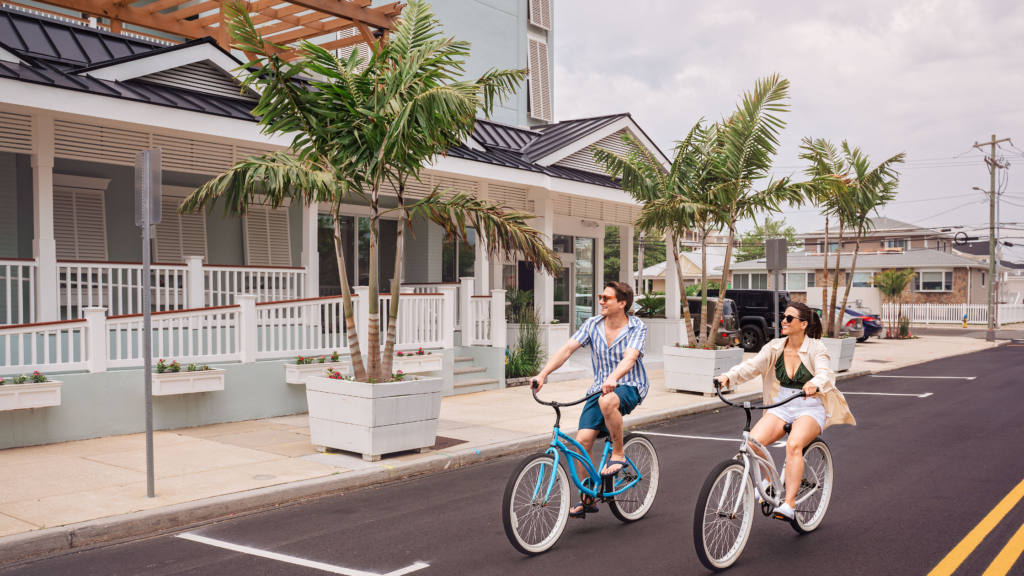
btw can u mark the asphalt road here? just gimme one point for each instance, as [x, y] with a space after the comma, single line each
[912, 480]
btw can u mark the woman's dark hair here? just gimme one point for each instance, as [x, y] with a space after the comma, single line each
[814, 328]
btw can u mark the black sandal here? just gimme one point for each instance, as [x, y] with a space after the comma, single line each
[584, 510]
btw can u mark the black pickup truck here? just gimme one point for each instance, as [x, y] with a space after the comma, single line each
[756, 315]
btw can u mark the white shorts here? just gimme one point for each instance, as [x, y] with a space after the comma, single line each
[789, 412]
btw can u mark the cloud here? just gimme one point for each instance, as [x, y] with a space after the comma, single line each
[928, 77]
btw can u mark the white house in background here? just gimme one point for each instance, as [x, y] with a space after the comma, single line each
[77, 103]
[654, 276]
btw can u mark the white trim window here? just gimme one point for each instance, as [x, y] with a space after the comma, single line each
[795, 281]
[934, 281]
[750, 281]
[896, 243]
[267, 237]
[178, 236]
[540, 79]
[540, 13]
[863, 279]
[80, 217]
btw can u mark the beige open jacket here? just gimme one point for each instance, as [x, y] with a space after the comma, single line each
[814, 356]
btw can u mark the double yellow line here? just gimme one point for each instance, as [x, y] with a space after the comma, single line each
[1006, 559]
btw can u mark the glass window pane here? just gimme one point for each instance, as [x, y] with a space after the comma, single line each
[330, 281]
[562, 313]
[759, 281]
[508, 276]
[562, 243]
[364, 251]
[467, 256]
[949, 281]
[797, 282]
[562, 286]
[861, 279]
[448, 262]
[931, 281]
[810, 279]
[584, 279]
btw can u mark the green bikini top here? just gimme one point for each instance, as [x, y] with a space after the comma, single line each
[801, 377]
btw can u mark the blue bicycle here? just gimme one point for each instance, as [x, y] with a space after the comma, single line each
[537, 498]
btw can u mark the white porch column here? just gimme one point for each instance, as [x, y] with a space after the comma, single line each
[499, 335]
[96, 341]
[543, 284]
[448, 317]
[196, 297]
[598, 266]
[482, 264]
[465, 311]
[44, 247]
[626, 255]
[672, 287]
[247, 326]
[310, 259]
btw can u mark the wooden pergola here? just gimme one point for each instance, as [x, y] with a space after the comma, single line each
[281, 21]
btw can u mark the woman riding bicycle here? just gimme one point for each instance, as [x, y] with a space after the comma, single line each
[797, 361]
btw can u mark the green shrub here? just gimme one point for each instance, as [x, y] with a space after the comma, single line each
[652, 305]
[527, 357]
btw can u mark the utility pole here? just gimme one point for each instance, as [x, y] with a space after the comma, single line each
[640, 265]
[993, 165]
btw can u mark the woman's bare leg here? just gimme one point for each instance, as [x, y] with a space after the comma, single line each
[805, 430]
[768, 430]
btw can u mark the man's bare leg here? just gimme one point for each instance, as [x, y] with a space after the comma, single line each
[586, 439]
[609, 404]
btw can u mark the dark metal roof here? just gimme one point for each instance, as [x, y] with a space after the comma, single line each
[497, 135]
[161, 50]
[557, 136]
[64, 42]
[510, 159]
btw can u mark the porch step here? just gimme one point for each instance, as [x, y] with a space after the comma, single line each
[469, 370]
[463, 358]
[475, 385]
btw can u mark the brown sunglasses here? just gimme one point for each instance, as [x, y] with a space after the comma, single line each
[604, 298]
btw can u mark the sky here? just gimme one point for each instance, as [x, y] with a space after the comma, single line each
[929, 78]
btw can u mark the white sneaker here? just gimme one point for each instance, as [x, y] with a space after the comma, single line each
[784, 512]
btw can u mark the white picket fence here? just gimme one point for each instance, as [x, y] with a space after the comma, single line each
[954, 313]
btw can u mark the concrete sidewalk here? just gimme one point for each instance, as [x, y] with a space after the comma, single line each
[73, 482]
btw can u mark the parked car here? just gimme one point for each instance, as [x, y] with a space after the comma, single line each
[756, 314]
[728, 333]
[872, 323]
[852, 326]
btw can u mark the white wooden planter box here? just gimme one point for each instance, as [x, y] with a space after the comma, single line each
[840, 352]
[693, 369]
[374, 419]
[22, 396]
[552, 336]
[188, 382]
[413, 364]
[299, 373]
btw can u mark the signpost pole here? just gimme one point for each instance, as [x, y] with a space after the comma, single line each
[775, 250]
[147, 213]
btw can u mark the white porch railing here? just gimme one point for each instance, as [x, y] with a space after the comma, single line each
[421, 318]
[118, 287]
[196, 335]
[954, 313]
[45, 347]
[432, 287]
[307, 327]
[223, 283]
[485, 321]
[17, 291]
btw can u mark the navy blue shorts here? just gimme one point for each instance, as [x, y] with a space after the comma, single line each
[593, 419]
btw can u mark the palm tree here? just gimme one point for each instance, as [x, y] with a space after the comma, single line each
[363, 127]
[891, 284]
[871, 188]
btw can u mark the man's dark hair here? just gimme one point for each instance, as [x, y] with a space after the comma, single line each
[623, 293]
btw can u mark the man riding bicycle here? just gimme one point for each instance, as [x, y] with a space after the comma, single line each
[617, 343]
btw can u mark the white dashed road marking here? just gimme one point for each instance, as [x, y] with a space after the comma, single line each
[925, 395]
[780, 443]
[926, 377]
[294, 560]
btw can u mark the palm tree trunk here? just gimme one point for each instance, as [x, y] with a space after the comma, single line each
[704, 289]
[833, 329]
[346, 298]
[824, 278]
[725, 274]
[373, 335]
[396, 286]
[849, 281]
[690, 339]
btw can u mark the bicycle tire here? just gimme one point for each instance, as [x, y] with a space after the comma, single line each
[635, 503]
[817, 465]
[727, 538]
[531, 525]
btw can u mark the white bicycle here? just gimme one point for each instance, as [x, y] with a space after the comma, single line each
[725, 507]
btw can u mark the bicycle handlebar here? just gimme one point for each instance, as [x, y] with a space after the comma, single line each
[555, 403]
[718, 390]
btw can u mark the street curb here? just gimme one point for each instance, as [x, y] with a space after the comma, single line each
[179, 516]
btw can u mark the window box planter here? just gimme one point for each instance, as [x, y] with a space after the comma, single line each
[299, 373]
[188, 382]
[374, 419]
[693, 369]
[31, 395]
[412, 364]
[840, 352]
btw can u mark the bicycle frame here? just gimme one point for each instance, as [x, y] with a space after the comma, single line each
[572, 456]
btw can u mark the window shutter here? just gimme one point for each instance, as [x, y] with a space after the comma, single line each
[179, 235]
[540, 13]
[267, 238]
[79, 224]
[540, 86]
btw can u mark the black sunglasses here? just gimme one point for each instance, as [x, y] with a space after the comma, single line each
[790, 318]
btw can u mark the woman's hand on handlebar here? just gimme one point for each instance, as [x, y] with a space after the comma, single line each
[810, 390]
[724, 381]
[538, 382]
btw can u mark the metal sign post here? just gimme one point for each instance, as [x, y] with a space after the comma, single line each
[147, 213]
[775, 250]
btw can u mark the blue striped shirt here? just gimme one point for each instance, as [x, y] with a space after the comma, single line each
[605, 358]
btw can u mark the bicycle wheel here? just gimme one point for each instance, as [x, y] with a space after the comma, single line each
[815, 487]
[634, 503]
[533, 519]
[725, 509]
